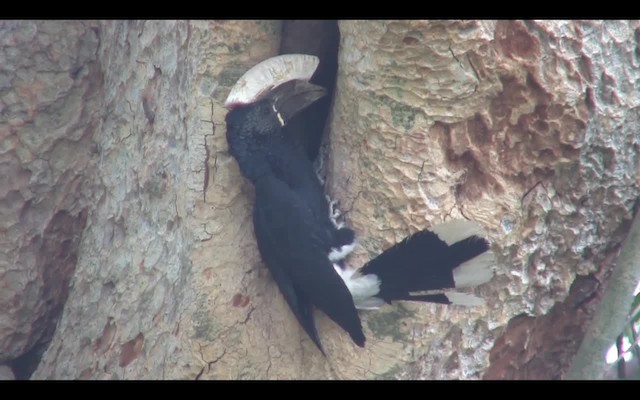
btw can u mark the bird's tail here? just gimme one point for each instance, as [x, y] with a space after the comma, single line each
[424, 267]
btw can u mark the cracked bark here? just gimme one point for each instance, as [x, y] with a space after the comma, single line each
[529, 128]
[611, 316]
[48, 96]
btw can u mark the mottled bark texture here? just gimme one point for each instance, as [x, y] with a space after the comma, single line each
[49, 84]
[168, 242]
[529, 128]
[115, 177]
[610, 319]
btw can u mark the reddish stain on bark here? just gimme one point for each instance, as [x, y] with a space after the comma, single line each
[410, 40]
[239, 300]
[103, 343]
[131, 350]
[543, 347]
[515, 40]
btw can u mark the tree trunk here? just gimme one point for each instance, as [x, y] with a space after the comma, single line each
[115, 176]
[168, 242]
[49, 102]
[531, 129]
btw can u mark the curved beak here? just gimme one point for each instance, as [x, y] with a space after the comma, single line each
[294, 96]
[270, 74]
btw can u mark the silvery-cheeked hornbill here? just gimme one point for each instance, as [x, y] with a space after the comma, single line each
[299, 240]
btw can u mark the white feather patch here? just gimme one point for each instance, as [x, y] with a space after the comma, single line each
[455, 231]
[464, 299]
[334, 212]
[269, 74]
[372, 303]
[362, 288]
[341, 252]
[474, 272]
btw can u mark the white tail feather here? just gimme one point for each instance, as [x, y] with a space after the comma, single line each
[455, 231]
[338, 253]
[362, 288]
[464, 299]
[474, 272]
[372, 303]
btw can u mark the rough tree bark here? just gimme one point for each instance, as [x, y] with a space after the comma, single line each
[531, 129]
[48, 108]
[168, 243]
[113, 153]
[610, 319]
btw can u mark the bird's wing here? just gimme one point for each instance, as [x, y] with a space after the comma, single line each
[294, 249]
[275, 259]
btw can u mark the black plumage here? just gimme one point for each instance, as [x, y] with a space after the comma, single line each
[292, 246]
[291, 218]
[296, 236]
[422, 262]
[262, 147]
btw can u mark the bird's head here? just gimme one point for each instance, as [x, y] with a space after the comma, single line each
[267, 96]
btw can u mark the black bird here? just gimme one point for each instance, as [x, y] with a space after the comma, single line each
[260, 109]
[297, 238]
